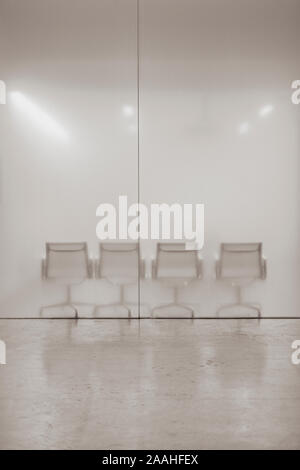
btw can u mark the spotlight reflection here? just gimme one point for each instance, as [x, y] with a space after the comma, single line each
[37, 116]
[265, 110]
[2, 92]
[244, 128]
[128, 111]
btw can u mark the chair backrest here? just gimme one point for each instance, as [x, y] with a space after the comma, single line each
[241, 261]
[67, 261]
[174, 261]
[119, 261]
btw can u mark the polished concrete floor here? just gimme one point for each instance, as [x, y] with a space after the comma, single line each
[153, 384]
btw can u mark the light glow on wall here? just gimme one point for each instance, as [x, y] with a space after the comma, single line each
[132, 128]
[128, 111]
[265, 110]
[244, 128]
[38, 116]
[2, 92]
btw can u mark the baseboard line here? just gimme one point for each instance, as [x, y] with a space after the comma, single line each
[148, 318]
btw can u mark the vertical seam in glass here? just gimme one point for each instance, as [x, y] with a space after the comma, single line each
[138, 147]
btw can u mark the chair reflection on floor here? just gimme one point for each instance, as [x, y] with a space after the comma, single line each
[240, 264]
[120, 264]
[176, 267]
[67, 264]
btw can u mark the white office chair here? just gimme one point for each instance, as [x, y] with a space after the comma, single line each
[67, 264]
[176, 267]
[120, 264]
[240, 264]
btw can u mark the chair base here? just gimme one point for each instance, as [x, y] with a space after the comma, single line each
[59, 305]
[173, 304]
[250, 306]
[117, 304]
[125, 306]
[72, 305]
[67, 303]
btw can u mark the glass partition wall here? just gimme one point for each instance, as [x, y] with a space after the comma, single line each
[68, 144]
[218, 127]
[154, 102]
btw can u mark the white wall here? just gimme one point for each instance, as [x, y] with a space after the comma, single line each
[77, 62]
[205, 67]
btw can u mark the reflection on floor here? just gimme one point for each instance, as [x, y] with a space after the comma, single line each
[153, 384]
